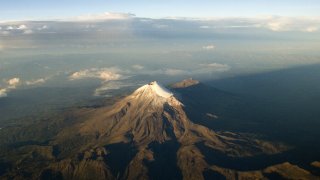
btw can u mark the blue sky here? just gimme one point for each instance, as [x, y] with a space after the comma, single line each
[46, 9]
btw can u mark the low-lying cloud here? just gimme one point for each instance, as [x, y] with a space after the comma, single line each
[108, 86]
[15, 29]
[10, 85]
[35, 82]
[103, 17]
[174, 72]
[305, 24]
[200, 69]
[13, 83]
[104, 74]
[137, 67]
[209, 47]
[214, 67]
[3, 92]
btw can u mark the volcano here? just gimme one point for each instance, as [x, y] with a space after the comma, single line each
[145, 135]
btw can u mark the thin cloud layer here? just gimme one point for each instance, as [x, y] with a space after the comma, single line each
[3, 92]
[13, 83]
[214, 67]
[201, 69]
[112, 31]
[273, 23]
[108, 86]
[10, 85]
[174, 72]
[137, 67]
[304, 24]
[105, 74]
[15, 29]
[209, 47]
[35, 82]
[103, 17]
[92, 23]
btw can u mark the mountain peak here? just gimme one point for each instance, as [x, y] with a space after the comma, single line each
[156, 89]
[185, 83]
[154, 94]
[160, 90]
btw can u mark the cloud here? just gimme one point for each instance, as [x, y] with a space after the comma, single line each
[108, 86]
[201, 69]
[174, 72]
[160, 26]
[311, 29]
[42, 27]
[278, 23]
[214, 67]
[105, 74]
[10, 28]
[3, 92]
[137, 67]
[103, 16]
[204, 27]
[4, 32]
[209, 47]
[92, 23]
[111, 78]
[24, 29]
[35, 82]
[273, 23]
[13, 83]
[28, 31]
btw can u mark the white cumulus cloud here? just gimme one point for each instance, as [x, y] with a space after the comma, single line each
[204, 27]
[105, 74]
[108, 86]
[209, 47]
[36, 81]
[312, 29]
[174, 72]
[104, 16]
[22, 27]
[137, 67]
[13, 82]
[28, 31]
[278, 23]
[42, 27]
[214, 67]
[3, 92]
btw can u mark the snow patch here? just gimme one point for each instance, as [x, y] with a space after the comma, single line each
[153, 88]
[161, 91]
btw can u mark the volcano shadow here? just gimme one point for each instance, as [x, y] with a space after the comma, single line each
[4, 166]
[257, 162]
[119, 157]
[164, 165]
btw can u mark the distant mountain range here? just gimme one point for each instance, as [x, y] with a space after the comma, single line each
[153, 133]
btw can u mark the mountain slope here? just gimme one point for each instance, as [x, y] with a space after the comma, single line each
[152, 125]
[145, 135]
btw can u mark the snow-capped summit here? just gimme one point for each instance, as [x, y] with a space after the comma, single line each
[160, 90]
[155, 94]
[155, 89]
